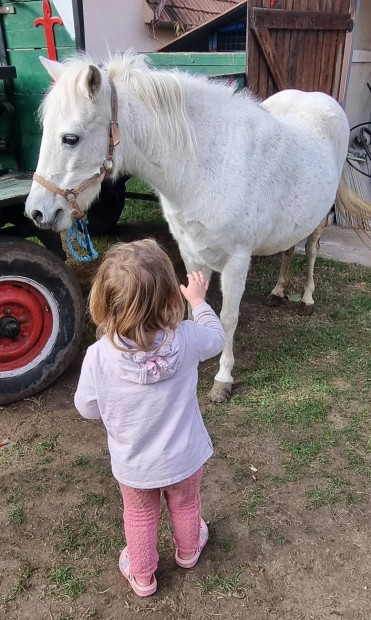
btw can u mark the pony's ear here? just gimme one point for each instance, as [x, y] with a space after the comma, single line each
[93, 81]
[54, 68]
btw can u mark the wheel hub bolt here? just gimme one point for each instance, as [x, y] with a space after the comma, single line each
[9, 327]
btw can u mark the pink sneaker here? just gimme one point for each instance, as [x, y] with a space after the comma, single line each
[124, 565]
[191, 562]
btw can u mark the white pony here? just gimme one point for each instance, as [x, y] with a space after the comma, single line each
[235, 177]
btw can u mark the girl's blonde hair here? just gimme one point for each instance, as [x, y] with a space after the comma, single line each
[135, 293]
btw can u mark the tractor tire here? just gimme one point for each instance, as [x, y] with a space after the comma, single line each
[41, 318]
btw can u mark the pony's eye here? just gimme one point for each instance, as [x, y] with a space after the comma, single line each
[70, 138]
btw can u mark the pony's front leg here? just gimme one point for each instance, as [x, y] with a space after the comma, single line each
[190, 266]
[233, 281]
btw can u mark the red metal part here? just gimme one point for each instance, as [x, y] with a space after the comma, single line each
[49, 22]
[272, 3]
[31, 310]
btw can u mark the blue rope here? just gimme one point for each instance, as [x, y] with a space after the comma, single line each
[79, 232]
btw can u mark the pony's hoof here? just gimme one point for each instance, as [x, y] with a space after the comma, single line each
[305, 309]
[221, 392]
[274, 301]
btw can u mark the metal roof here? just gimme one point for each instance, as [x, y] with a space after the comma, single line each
[196, 40]
[191, 12]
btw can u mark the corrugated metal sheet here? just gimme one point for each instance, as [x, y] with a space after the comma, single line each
[192, 12]
[197, 38]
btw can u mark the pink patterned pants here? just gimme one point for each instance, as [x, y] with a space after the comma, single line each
[141, 516]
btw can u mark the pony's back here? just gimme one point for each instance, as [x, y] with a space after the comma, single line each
[315, 112]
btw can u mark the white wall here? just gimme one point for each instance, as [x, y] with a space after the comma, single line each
[358, 97]
[120, 24]
[357, 102]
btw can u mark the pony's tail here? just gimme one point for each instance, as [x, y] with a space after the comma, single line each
[351, 210]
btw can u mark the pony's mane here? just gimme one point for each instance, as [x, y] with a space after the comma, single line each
[163, 91]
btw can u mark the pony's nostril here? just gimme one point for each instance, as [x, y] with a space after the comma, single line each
[37, 216]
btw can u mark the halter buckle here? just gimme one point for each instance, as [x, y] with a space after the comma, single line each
[70, 195]
[108, 164]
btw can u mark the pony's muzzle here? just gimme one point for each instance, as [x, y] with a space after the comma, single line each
[42, 221]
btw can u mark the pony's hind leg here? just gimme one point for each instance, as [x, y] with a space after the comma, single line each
[277, 296]
[306, 306]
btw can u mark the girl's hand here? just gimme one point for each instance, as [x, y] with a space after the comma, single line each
[195, 292]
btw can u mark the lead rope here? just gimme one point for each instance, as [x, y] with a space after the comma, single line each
[79, 230]
[79, 234]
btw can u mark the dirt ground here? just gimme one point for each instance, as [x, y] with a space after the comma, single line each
[290, 528]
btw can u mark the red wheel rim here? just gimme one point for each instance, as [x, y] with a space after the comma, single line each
[33, 315]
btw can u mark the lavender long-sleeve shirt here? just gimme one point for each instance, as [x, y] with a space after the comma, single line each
[148, 402]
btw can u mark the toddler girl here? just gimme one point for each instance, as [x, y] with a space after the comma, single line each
[140, 378]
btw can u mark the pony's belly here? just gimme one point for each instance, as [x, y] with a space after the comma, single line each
[276, 243]
[268, 249]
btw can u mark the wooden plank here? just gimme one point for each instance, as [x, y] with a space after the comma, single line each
[271, 57]
[29, 128]
[310, 47]
[278, 38]
[286, 36]
[328, 54]
[292, 66]
[263, 72]
[262, 68]
[339, 55]
[302, 61]
[234, 60]
[325, 53]
[319, 47]
[31, 76]
[252, 54]
[300, 20]
[20, 32]
[271, 83]
[12, 187]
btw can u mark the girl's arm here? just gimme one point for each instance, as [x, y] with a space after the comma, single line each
[85, 396]
[210, 335]
[209, 331]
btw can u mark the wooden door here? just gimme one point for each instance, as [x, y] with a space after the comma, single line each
[297, 44]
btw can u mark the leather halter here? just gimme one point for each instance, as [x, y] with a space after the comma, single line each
[106, 168]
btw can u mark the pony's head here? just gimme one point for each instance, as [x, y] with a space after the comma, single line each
[76, 115]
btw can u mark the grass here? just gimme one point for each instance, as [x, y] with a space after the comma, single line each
[225, 542]
[89, 530]
[220, 582]
[47, 445]
[16, 514]
[25, 572]
[299, 412]
[14, 453]
[94, 499]
[336, 490]
[144, 211]
[251, 505]
[66, 582]
[82, 461]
